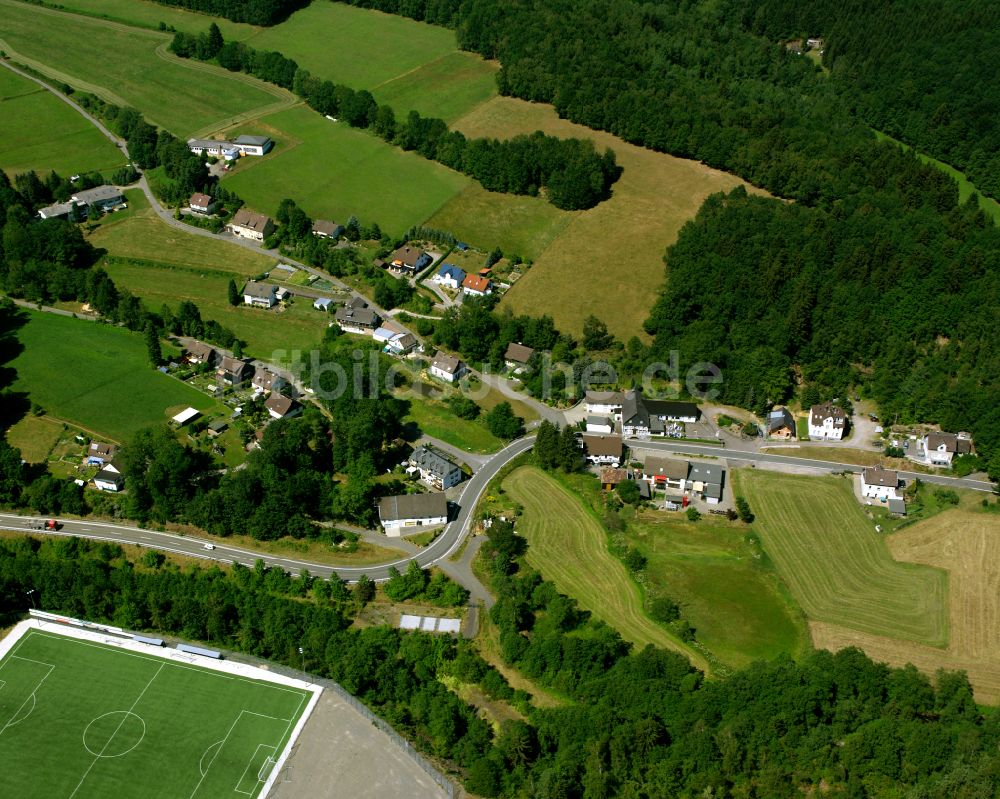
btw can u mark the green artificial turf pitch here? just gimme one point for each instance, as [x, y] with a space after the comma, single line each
[84, 720]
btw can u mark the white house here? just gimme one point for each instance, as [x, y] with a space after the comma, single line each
[410, 513]
[665, 473]
[435, 469]
[447, 367]
[827, 422]
[879, 483]
[252, 145]
[202, 204]
[939, 449]
[248, 225]
[260, 295]
[212, 147]
[604, 403]
[449, 276]
[325, 229]
[517, 356]
[600, 424]
[110, 478]
[603, 450]
[281, 407]
[265, 381]
[476, 286]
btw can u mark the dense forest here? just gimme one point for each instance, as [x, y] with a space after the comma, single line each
[570, 173]
[926, 72]
[631, 724]
[255, 12]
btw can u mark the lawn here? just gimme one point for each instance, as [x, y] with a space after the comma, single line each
[569, 546]
[40, 132]
[96, 376]
[85, 719]
[360, 174]
[150, 15]
[607, 261]
[436, 420]
[836, 566]
[181, 96]
[737, 605]
[35, 437]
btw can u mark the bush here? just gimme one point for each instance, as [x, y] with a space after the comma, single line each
[628, 492]
[946, 496]
[664, 609]
[464, 408]
[693, 514]
[743, 510]
[634, 560]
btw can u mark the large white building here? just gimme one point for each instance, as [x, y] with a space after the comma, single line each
[827, 422]
[879, 483]
[409, 513]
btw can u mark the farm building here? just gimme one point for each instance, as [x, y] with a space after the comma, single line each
[260, 295]
[212, 147]
[183, 417]
[411, 512]
[248, 225]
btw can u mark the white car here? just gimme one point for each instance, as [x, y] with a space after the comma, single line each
[209, 546]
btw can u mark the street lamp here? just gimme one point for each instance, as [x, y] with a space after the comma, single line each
[31, 593]
[302, 655]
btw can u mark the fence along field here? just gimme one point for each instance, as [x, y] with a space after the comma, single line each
[569, 547]
[837, 567]
[83, 719]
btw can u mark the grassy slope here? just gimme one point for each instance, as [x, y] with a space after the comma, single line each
[40, 132]
[607, 261]
[179, 96]
[96, 376]
[149, 15]
[568, 546]
[736, 604]
[835, 564]
[436, 420]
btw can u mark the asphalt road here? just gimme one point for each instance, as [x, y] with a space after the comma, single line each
[789, 460]
[194, 546]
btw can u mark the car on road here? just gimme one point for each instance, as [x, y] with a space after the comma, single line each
[209, 546]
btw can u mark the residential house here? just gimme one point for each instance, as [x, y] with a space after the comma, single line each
[409, 260]
[253, 145]
[780, 424]
[827, 422]
[435, 469]
[604, 403]
[603, 450]
[60, 211]
[642, 417]
[100, 452]
[815, 43]
[897, 506]
[401, 344]
[110, 478]
[199, 353]
[476, 286]
[879, 483]
[202, 204]
[706, 481]
[233, 371]
[248, 225]
[600, 424]
[265, 381]
[665, 473]
[325, 229]
[517, 356]
[940, 449]
[281, 407]
[217, 427]
[356, 317]
[210, 147]
[449, 276]
[447, 367]
[322, 303]
[410, 513]
[260, 295]
[611, 476]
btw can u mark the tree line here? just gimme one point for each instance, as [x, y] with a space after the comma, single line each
[254, 12]
[570, 173]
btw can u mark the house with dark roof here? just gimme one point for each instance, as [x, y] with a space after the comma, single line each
[643, 417]
[100, 452]
[103, 197]
[233, 371]
[411, 513]
[401, 344]
[604, 403]
[202, 204]
[265, 381]
[110, 478]
[603, 450]
[449, 276]
[665, 473]
[940, 449]
[198, 353]
[409, 260]
[435, 469]
[827, 422]
[356, 317]
[517, 356]
[248, 225]
[879, 483]
[325, 229]
[253, 145]
[281, 407]
[447, 367]
[260, 295]
[706, 480]
[780, 424]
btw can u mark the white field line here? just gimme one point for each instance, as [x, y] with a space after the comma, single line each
[253, 758]
[49, 666]
[292, 738]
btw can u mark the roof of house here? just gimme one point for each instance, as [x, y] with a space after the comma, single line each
[600, 421]
[879, 476]
[352, 315]
[101, 449]
[604, 397]
[403, 341]
[279, 403]
[254, 141]
[260, 291]
[827, 410]
[951, 442]
[205, 144]
[612, 475]
[98, 194]
[598, 445]
[326, 227]
[669, 408]
[665, 467]
[452, 271]
[200, 350]
[408, 256]
[109, 476]
[708, 473]
[265, 379]
[518, 353]
[233, 365]
[59, 209]
[778, 419]
[897, 505]
[251, 220]
[634, 410]
[200, 200]
[446, 363]
[322, 302]
[476, 283]
[433, 461]
[218, 424]
[413, 506]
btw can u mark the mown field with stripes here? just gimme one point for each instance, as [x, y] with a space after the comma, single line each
[837, 567]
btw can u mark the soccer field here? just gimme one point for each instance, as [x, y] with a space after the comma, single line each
[80, 718]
